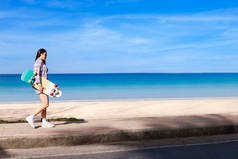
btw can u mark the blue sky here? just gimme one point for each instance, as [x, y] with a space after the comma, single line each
[104, 36]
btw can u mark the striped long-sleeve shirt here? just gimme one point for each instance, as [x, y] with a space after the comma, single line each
[41, 69]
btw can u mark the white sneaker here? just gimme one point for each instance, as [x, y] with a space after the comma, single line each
[46, 124]
[30, 121]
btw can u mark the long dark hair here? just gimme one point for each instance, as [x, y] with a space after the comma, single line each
[39, 52]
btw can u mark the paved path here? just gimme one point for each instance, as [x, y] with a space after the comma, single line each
[101, 131]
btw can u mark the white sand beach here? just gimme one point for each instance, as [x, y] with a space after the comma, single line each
[124, 108]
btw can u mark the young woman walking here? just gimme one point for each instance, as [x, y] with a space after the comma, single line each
[41, 69]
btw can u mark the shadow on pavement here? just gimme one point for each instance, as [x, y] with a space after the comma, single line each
[212, 122]
[156, 128]
[137, 129]
[4, 154]
[79, 121]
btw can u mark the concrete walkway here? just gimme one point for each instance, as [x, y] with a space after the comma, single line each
[21, 135]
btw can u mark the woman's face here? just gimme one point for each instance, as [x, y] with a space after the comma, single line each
[43, 56]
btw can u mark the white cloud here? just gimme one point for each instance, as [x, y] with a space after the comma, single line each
[140, 41]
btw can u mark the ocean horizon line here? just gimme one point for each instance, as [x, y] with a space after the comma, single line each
[133, 73]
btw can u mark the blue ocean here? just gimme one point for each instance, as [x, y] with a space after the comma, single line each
[125, 86]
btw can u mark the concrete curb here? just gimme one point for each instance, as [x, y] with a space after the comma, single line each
[106, 136]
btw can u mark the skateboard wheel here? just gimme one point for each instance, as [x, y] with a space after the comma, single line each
[29, 81]
[56, 85]
[51, 94]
